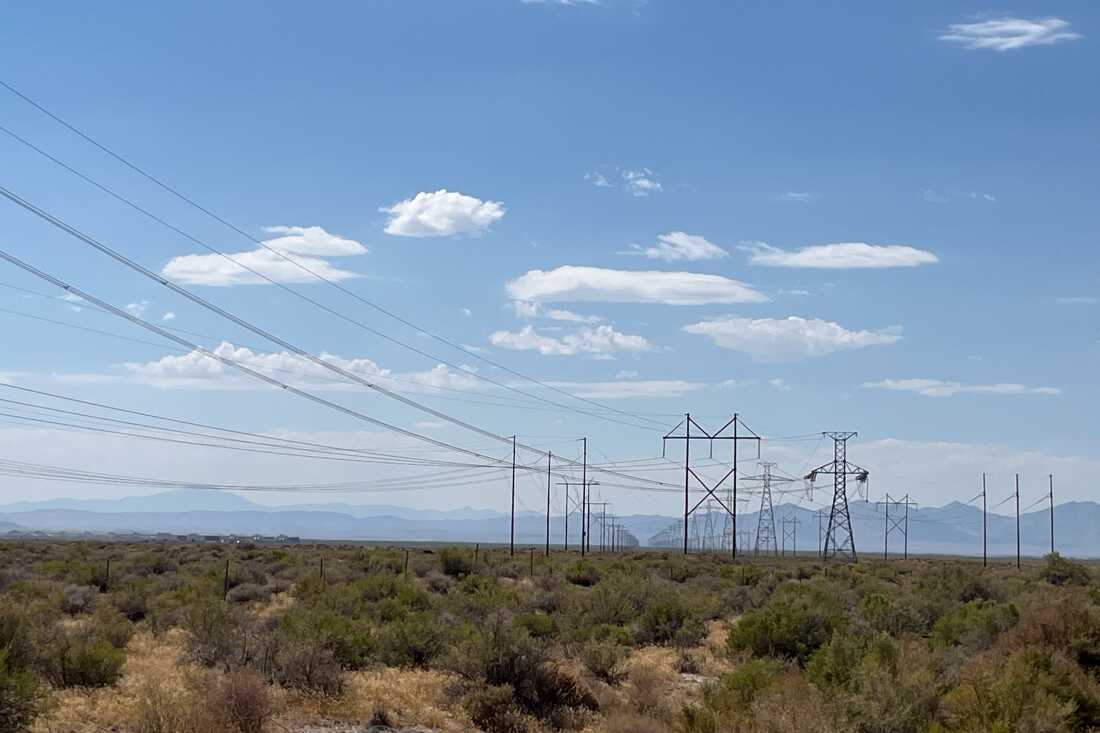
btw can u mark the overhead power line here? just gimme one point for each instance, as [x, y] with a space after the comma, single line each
[304, 268]
[118, 256]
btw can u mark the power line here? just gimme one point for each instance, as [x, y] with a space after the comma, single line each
[296, 263]
[140, 269]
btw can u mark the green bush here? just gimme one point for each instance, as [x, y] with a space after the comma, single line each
[412, 642]
[456, 562]
[21, 697]
[493, 709]
[793, 625]
[76, 659]
[974, 625]
[583, 573]
[1059, 571]
[604, 660]
[667, 618]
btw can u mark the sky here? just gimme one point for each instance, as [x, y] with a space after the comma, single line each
[880, 218]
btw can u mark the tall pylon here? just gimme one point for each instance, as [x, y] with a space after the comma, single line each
[765, 519]
[839, 538]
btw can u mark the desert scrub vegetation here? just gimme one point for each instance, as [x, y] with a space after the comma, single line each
[252, 639]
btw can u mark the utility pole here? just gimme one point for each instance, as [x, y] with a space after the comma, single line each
[1051, 477]
[710, 492]
[819, 517]
[766, 536]
[1018, 566]
[839, 538]
[512, 537]
[579, 506]
[985, 552]
[549, 463]
[584, 485]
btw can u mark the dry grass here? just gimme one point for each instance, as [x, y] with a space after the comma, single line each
[409, 696]
[92, 711]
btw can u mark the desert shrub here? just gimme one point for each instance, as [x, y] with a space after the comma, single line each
[668, 618]
[77, 599]
[75, 658]
[243, 701]
[974, 625]
[493, 709]
[648, 689]
[537, 625]
[309, 666]
[214, 630]
[793, 625]
[1031, 690]
[249, 593]
[735, 691]
[836, 663]
[456, 562]
[604, 660]
[582, 573]
[350, 640]
[21, 697]
[412, 642]
[1057, 570]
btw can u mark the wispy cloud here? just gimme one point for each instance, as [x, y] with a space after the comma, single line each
[169, 316]
[528, 311]
[631, 388]
[601, 340]
[942, 388]
[1078, 300]
[937, 196]
[441, 213]
[572, 283]
[789, 339]
[1006, 34]
[304, 245]
[798, 197]
[639, 182]
[845, 255]
[679, 246]
[196, 370]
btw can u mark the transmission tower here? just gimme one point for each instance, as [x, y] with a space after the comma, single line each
[898, 523]
[765, 519]
[839, 538]
[790, 529]
[710, 491]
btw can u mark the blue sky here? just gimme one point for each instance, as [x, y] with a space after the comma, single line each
[951, 145]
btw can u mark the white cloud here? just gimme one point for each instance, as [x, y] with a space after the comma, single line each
[572, 283]
[627, 374]
[799, 293]
[677, 246]
[942, 388]
[598, 179]
[466, 312]
[137, 309]
[789, 339]
[442, 213]
[169, 316]
[75, 302]
[779, 384]
[303, 245]
[196, 370]
[630, 388]
[934, 196]
[1006, 34]
[528, 311]
[798, 197]
[560, 2]
[601, 340]
[1078, 300]
[641, 182]
[843, 255]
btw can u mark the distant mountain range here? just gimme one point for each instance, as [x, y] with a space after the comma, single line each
[954, 529]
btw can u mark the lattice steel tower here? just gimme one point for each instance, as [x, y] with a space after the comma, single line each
[839, 538]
